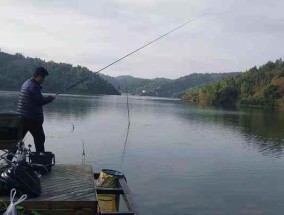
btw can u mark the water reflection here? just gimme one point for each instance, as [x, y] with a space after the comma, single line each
[64, 106]
[261, 129]
[72, 106]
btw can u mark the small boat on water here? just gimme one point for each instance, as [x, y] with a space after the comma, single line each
[64, 189]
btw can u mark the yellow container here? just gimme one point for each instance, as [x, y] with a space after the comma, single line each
[107, 203]
[108, 179]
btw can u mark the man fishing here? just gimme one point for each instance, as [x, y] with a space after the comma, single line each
[30, 104]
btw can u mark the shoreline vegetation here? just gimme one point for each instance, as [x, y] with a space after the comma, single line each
[16, 69]
[257, 87]
[261, 87]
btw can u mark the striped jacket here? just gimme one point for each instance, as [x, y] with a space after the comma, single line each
[31, 100]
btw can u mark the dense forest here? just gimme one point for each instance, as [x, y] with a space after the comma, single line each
[163, 87]
[15, 69]
[263, 86]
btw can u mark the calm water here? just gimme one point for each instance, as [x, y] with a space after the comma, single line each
[179, 159]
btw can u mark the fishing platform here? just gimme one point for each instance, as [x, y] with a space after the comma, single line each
[67, 189]
[71, 190]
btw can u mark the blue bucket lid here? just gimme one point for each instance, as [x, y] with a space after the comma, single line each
[113, 172]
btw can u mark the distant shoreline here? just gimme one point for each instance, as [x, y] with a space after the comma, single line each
[90, 95]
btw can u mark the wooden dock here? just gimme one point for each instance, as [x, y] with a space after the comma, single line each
[70, 190]
[67, 190]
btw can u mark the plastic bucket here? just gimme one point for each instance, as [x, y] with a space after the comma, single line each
[107, 202]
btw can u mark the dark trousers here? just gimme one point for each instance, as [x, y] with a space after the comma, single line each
[36, 130]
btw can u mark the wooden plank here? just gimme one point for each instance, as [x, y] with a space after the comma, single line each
[72, 195]
[59, 204]
[117, 201]
[66, 212]
[101, 190]
[128, 196]
[68, 189]
[117, 213]
[70, 181]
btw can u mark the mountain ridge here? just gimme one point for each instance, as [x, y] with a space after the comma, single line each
[163, 87]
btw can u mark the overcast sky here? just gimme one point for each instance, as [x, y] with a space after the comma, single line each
[230, 35]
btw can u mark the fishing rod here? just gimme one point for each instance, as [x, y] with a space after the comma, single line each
[125, 56]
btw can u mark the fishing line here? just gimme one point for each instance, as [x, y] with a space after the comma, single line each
[125, 56]
[128, 127]
[73, 128]
[83, 153]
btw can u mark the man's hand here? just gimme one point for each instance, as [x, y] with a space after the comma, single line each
[51, 98]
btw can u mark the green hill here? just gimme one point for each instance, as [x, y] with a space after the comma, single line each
[163, 87]
[177, 87]
[263, 86]
[15, 69]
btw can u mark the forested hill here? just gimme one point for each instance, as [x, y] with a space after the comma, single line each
[263, 86]
[135, 86]
[164, 87]
[15, 69]
[178, 87]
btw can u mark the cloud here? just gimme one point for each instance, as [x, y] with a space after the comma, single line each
[230, 36]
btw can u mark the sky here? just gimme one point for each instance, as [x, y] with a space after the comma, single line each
[227, 36]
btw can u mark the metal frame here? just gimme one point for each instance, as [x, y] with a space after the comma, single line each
[123, 190]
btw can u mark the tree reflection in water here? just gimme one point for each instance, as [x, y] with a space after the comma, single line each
[261, 128]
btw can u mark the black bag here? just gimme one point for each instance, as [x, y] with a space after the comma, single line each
[42, 162]
[23, 178]
[28, 181]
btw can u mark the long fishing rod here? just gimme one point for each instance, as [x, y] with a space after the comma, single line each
[125, 56]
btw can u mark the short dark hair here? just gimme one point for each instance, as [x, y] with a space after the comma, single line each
[40, 71]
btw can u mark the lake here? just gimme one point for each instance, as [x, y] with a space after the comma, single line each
[178, 159]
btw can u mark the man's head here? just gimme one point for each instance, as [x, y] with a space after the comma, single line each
[40, 74]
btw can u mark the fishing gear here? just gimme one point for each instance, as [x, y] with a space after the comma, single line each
[128, 128]
[83, 153]
[125, 56]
